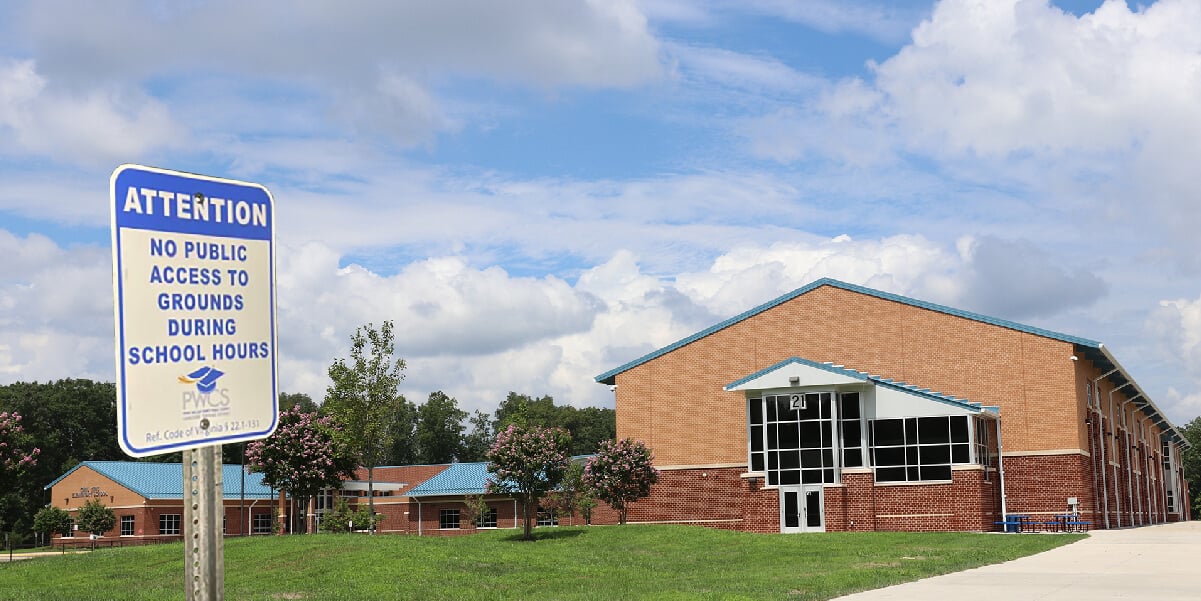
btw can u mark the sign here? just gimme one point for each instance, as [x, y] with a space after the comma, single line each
[194, 281]
[796, 402]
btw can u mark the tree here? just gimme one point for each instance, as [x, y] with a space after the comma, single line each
[68, 421]
[96, 518]
[364, 394]
[588, 426]
[477, 443]
[573, 495]
[401, 426]
[1192, 464]
[621, 472]
[51, 519]
[302, 456]
[14, 459]
[288, 400]
[439, 431]
[528, 463]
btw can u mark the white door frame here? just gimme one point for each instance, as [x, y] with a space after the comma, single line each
[802, 521]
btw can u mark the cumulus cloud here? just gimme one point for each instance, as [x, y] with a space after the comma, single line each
[1017, 279]
[372, 63]
[102, 124]
[55, 310]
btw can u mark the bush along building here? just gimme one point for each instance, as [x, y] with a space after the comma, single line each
[837, 407]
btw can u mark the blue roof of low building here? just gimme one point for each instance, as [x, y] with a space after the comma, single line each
[458, 479]
[165, 480]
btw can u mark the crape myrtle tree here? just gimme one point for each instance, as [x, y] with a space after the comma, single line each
[302, 456]
[621, 472]
[527, 463]
[14, 458]
[365, 396]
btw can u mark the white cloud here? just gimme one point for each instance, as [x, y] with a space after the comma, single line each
[379, 66]
[100, 125]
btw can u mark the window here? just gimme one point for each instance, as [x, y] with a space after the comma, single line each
[325, 500]
[487, 519]
[168, 523]
[919, 448]
[260, 523]
[127, 525]
[448, 519]
[547, 517]
[1169, 479]
[791, 437]
[69, 531]
[983, 450]
[851, 427]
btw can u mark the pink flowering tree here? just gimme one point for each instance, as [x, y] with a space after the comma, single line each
[303, 456]
[620, 473]
[528, 463]
[13, 440]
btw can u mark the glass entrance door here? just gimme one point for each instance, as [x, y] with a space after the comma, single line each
[801, 509]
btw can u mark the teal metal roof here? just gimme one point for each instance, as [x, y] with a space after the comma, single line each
[165, 480]
[458, 479]
[609, 377]
[866, 377]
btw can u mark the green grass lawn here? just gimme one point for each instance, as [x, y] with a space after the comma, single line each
[601, 563]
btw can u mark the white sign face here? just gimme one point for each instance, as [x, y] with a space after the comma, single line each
[796, 402]
[194, 281]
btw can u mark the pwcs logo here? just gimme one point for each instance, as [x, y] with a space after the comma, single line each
[205, 380]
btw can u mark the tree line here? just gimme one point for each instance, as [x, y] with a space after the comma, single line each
[74, 420]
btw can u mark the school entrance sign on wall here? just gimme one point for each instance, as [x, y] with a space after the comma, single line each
[194, 281]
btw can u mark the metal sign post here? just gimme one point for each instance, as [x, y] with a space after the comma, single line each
[194, 288]
[204, 549]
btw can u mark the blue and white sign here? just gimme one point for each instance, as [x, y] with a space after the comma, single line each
[194, 280]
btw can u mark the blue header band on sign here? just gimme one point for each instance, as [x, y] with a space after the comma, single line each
[166, 202]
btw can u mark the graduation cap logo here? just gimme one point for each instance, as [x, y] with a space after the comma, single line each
[204, 378]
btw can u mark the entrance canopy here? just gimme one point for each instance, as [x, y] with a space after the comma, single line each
[887, 398]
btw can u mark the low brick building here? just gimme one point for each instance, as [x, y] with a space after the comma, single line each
[840, 407]
[147, 499]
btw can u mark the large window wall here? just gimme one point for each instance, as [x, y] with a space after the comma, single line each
[808, 437]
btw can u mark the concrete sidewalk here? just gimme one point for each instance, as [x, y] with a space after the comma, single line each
[1152, 562]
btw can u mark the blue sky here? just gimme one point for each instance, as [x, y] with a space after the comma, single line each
[538, 192]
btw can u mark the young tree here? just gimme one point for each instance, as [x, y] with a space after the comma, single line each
[621, 472]
[94, 517]
[51, 519]
[439, 431]
[303, 456]
[364, 394]
[528, 463]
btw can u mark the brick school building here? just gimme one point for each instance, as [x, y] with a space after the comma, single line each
[837, 407]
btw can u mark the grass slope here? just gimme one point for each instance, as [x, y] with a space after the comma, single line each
[597, 563]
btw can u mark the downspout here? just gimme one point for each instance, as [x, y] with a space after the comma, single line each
[1117, 486]
[1001, 469]
[249, 518]
[1129, 464]
[1101, 443]
[418, 515]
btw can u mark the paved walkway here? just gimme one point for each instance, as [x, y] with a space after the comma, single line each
[1153, 562]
